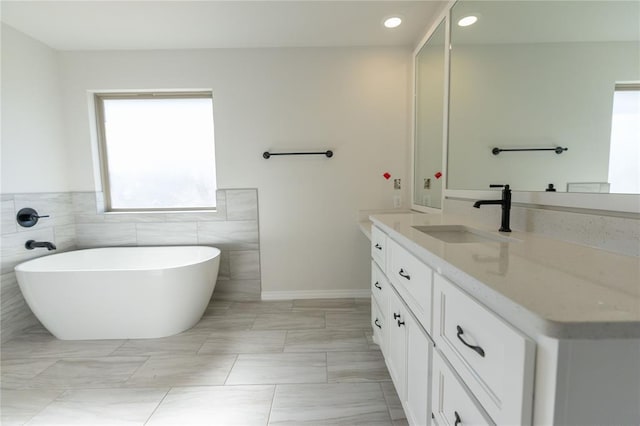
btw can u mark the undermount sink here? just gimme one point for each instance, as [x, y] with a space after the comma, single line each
[460, 234]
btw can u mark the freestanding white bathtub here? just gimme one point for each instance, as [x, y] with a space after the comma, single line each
[120, 292]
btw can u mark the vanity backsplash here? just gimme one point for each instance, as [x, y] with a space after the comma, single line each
[615, 234]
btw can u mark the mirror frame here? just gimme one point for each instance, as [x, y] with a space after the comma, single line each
[624, 205]
[443, 16]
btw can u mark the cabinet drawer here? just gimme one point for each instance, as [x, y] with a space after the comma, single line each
[493, 358]
[451, 402]
[378, 323]
[379, 287]
[379, 247]
[413, 279]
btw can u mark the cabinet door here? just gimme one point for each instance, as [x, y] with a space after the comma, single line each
[453, 404]
[419, 352]
[379, 325]
[379, 247]
[396, 353]
[413, 281]
[494, 359]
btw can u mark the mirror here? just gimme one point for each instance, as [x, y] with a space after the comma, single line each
[539, 75]
[429, 110]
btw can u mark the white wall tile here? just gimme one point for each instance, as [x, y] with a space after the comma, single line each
[58, 206]
[84, 202]
[242, 204]
[14, 251]
[8, 216]
[244, 265]
[167, 233]
[15, 315]
[105, 234]
[232, 235]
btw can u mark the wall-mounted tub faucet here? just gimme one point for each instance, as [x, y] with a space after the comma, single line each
[28, 217]
[31, 244]
[505, 202]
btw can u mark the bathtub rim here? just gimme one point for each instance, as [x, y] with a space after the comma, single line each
[35, 265]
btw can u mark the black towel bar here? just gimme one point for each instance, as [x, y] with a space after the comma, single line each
[266, 155]
[558, 150]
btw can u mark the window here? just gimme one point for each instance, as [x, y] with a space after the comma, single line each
[157, 151]
[624, 155]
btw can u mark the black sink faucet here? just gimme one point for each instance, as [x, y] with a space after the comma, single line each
[31, 244]
[505, 202]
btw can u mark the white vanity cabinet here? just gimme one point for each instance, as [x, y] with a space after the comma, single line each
[405, 344]
[544, 343]
[379, 247]
[380, 289]
[482, 367]
[494, 360]
[408, 359]
[452, 402]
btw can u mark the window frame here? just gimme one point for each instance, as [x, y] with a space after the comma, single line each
[99, 97]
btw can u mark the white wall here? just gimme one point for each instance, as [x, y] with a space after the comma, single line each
[33, 147]
[534, 95]
[351, 100]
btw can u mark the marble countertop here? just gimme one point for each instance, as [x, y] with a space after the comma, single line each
[540, 285]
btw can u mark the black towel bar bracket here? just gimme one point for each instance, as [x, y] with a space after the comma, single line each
[266, 155]
[558, 150]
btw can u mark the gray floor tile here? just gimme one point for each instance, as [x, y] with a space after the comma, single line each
[324, 304]
[325, 340]
[225, 320]
[101, 407]
[187, 343]
[393, 402]
[190, 370]
[100, 372]
[290, 321]
[262, 307]
[17, 372]
[19, 406]
[278, 368]
[345, 403]
[40, 345]
[367, 366]
[244, 344]
[217, 306]
[215, 405]
[237, 290]
[348, 320]
[373, 346]
[244, 341]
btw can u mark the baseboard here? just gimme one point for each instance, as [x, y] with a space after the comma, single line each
[315, 294]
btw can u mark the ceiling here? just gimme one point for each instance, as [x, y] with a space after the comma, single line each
[537, 21]
[187, 24]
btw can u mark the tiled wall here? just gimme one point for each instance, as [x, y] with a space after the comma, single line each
[615, 234]
[58, 228]
[78, 221]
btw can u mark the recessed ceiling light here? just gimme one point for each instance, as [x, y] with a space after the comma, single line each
[392, 22]
[467, 20]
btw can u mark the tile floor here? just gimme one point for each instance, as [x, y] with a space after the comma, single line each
[245, 363]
